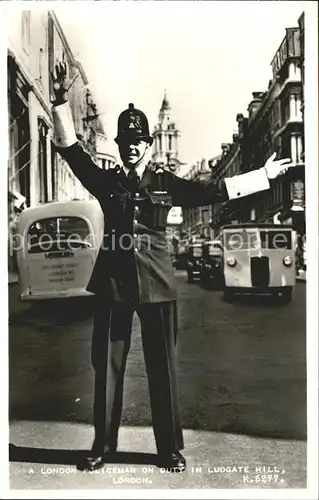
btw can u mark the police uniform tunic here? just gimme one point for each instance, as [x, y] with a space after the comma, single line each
[134, 263]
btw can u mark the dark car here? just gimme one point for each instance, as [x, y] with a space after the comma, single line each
[211, 264]
[193, 262]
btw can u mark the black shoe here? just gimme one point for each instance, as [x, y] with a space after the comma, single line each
[172, 462]
[95, 460]
[90, 463]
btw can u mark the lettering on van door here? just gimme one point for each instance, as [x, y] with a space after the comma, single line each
[58, 273]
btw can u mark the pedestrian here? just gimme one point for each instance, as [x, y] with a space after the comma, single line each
[136, 199]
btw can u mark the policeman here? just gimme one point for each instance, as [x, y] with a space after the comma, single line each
[134, 272]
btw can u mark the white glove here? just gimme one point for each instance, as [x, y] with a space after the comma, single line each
[275, 168]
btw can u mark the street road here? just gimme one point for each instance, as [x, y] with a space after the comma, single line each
[242, 381]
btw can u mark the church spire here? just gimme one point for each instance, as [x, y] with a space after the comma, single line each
[165, 135]
[165, 102]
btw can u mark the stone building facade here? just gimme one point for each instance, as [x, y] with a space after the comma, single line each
[197, 220]
[36, 173]
[274, 124]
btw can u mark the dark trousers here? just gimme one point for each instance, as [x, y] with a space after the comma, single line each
[110, 347]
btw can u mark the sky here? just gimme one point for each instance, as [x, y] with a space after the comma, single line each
[208, 56]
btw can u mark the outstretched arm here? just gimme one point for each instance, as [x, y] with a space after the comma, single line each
[242, 185]
[188, 193]
[80, 162]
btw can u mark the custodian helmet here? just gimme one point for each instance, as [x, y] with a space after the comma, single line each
[133, 124]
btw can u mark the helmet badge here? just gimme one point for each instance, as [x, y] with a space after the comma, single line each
[134, 121]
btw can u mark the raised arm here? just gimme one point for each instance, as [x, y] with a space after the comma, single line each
[188, 193]
[65, 140]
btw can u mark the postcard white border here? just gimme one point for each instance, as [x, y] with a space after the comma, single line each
[311, 141]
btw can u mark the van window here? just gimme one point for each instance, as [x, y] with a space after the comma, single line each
[276, 240]
[241, 240]
[58, 233]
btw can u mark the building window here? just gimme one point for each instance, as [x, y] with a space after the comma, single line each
[19, 159]
[285, 111]
[25, 28]
[42, 154]
[278, 145]
[298, 114]
[53, 171]
[170, 142]
[298, 148]
[205, 215]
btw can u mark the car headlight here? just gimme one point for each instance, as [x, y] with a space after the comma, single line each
[231, 261]
[287, 260]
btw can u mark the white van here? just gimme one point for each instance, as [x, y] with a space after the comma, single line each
[57, 245]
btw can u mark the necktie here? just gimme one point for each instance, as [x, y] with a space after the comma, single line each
[133, 178]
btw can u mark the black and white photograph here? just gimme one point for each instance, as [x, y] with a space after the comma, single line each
[161, 164]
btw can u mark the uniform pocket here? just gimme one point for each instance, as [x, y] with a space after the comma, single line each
[161, 198]
[161, 204]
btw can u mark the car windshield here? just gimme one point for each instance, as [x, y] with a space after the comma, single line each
[58, 233]
[271, 239]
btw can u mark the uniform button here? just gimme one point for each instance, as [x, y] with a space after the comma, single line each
[135, 235]
[137, 195]
[136, 249]
[136, 207]
[163, 202]
[238, 194]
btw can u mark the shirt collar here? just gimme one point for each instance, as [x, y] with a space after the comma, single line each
[139, 170]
